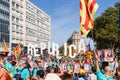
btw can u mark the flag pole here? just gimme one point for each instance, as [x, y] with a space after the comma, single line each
[93, 39]
[119, 15]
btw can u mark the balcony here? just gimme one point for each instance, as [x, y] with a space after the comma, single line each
[21, 4]
[13, 22]
[20, 24]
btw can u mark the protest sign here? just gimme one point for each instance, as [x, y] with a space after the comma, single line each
[100, 54]
[46, 64]
[76, 68]
[64, 67]
[87, 67]
[108, 55]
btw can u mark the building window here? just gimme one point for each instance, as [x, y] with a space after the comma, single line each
[17, 6]
[17, 20]
[13, 4]
[27, 30]
[13, 18]
[17, 27]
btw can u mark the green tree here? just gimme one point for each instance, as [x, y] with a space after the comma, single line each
[61, 49]
[106, 32]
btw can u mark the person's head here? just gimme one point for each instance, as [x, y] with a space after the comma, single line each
[3, 61]
[50, 69]
[39, 63]
[93, 69]
[67, 77]
[36, 63]
[13, 63]
[108, 71]
[70, 72]
[40, 73]
[23, 63]
[1, 66]
[81, 73]
[118, 73]
[104, 64]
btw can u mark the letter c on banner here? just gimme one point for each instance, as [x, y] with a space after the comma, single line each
[70, 53]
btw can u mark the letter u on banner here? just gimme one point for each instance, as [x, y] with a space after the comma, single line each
[49, 48]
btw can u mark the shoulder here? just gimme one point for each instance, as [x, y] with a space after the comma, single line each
[25, 70]
[99, 72]
[3, 71]
[34, 68]
[110, 78]
[52, 75]
[81, 78]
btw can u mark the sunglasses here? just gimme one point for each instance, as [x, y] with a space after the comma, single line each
[110, 71]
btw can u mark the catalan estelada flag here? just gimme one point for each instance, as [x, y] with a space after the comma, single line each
[87, 11]
[17, 50]
[5, 45]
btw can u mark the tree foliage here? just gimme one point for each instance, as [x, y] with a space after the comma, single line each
[106, 32]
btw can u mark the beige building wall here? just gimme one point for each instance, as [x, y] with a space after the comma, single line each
[28, 23]
[37, 25]
[17, 22]
[74, 39]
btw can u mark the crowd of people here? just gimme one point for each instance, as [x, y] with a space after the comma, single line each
[51, 68]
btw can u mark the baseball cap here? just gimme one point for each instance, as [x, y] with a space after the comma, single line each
[82, 71]
[22, 62]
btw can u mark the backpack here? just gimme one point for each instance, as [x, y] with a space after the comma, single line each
[33, 71]
[18, 74]
[82, 78]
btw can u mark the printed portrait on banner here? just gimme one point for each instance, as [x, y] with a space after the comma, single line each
[108, 55]
[100, 55]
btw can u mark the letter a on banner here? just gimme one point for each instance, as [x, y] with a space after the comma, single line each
[82, 46]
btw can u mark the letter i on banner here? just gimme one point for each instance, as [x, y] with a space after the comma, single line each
[65, 49]
[55, 48]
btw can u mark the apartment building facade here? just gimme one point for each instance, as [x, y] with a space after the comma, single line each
[37, 25]
[4, 22]
[17, 22]
[74, 39]
[28, 24]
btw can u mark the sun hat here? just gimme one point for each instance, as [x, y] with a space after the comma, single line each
[22, 62]
[82, 71]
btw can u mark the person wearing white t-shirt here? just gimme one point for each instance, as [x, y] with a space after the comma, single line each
[51, 75]
[93, 75]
